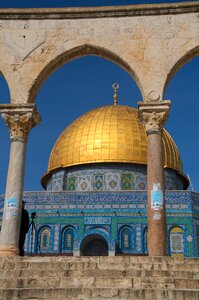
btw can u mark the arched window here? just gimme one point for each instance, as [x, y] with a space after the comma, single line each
[45, 240]
[176, 241]
[126, 243]
[145, 240]
[68, 239]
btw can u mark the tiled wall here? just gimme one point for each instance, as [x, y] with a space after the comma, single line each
[108, 177]
[106, 213]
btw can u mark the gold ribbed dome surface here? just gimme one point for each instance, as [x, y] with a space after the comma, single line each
[108, 134]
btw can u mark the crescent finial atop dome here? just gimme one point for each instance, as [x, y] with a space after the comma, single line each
[115, 86]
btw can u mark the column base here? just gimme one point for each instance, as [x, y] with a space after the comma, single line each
[8, 250]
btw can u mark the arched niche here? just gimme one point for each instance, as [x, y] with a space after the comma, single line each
[126, 239]
[74, 53]
[94, 245]
[67, 239]
[176, 241]
[44, 240]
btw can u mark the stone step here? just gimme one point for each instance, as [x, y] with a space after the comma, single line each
[108, 259]
[96, 281]
[98, 294]
[102, 265]
[17, 273]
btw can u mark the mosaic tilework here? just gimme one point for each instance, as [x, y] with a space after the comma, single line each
[110, 210]
[56, 238]
[71, 183]
[84, 183]
[112, 182]
[139, 238]
[140, 182]
[98, 182]
[126, 181]
[49, 185]
[176, 240]
[58, 181]
[109, 177]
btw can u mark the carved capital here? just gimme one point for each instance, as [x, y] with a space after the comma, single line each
[20, 119]
[153, 116]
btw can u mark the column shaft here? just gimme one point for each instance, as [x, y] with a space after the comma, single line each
[20, 119]
[157, 216]
[153, 116]
[13, 197]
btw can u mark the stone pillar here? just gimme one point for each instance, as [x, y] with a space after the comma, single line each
[153, 116]
[20, 119]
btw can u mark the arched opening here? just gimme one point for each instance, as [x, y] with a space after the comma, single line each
[5, 138]
[72, 54]
[74, 89]
[126, 240]
[94, 245]
[45, 240]
[182, 122]
[67, 240]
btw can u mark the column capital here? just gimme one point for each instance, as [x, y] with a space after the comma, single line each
[153, 115]
[20, 119]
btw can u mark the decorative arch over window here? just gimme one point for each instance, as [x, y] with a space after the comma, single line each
[68, 239]
[176, 241]
[45, 243]
[126, 240]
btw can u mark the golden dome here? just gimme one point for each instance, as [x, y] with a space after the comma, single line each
[108, 134]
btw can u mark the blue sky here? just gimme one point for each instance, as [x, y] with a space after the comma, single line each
[84, 84]
[71, 3]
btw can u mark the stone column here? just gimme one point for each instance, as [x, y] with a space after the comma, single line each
[153, 116]
[20, 119]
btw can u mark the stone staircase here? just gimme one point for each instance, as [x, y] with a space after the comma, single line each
[80, 278]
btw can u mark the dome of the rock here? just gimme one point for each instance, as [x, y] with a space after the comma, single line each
[108, 134]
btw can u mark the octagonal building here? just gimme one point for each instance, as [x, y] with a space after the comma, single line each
[95, 199]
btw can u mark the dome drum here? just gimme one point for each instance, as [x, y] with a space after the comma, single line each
[107, 177]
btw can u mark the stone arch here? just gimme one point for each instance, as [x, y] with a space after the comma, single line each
[189, 55]
[74, 53]
[96, 231]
